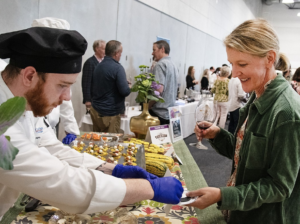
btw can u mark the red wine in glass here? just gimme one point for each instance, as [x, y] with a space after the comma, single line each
[203, 126]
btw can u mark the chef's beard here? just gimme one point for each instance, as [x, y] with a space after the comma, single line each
[38, 102]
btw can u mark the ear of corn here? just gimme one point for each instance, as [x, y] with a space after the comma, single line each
[155, 167]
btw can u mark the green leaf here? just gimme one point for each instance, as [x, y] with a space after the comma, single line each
[161, 100]
[134, 88]
[140, 98]
[8, 138]
[10, 112]
[150, 97]
[7, 153]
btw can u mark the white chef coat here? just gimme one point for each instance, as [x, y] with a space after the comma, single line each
[56, 174]
[66, 113]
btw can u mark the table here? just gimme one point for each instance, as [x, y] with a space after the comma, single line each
[86, 122]
[149, 211]
[187, 119]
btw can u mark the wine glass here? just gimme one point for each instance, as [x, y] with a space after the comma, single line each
[205, 115]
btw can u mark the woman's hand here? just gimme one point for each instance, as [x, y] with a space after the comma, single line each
[206, 197]
[209, 133]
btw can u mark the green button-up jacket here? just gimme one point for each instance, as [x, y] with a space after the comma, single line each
[267, 183]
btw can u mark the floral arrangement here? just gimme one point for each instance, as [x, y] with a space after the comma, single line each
[146, 86]
[10, 112]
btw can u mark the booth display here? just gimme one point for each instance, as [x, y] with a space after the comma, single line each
[149, 211]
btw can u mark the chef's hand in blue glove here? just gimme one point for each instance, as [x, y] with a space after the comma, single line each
[167, 190]
[68, 139]
[121, 171]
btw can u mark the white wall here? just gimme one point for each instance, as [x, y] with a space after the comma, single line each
[287, 25]
[196, 29]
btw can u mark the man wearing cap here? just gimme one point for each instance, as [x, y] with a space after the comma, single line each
[88, 70]
[44, 63]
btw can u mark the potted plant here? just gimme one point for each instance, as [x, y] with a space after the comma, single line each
[147, 88]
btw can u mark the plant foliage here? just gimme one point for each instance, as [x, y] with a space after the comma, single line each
[146, 86]
[10, 112]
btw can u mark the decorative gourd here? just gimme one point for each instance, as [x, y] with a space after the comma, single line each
[155, 167]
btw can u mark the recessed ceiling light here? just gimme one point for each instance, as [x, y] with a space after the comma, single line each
[287, 1]
[298, 14]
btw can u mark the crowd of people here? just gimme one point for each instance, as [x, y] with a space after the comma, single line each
[262, 140]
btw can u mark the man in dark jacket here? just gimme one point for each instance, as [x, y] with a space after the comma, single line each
[109, 89]
[88, 69]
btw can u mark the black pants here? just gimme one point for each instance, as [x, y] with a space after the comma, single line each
[162, 121]
[234, 118]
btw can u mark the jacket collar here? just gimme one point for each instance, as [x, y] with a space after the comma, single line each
[110, 58]
[272, 92]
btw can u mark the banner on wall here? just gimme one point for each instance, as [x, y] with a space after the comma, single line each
[162, 38]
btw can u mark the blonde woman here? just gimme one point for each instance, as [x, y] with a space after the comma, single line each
[265, 182]
[204, 81]
[220, 89]
[284, 65]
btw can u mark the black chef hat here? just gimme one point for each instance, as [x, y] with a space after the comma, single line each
[46, 49]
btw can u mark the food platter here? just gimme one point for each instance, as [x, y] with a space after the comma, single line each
[109, 149]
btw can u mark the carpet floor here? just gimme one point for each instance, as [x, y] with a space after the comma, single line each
[214, 167]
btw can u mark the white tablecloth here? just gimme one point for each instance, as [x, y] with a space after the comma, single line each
[187, 119]
[125, 122]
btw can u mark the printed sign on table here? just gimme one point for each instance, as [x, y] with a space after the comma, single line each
[159, 134]
[175, 123]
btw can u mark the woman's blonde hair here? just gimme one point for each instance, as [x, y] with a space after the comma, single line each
[205, 73]
[255, 37]
[225, 71]
[283, 63]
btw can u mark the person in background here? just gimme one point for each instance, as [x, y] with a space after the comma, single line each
[204, 80]
[44, 63]
[64, 113]
[236, 97]
[284, 66]
[190, 78]
[166, 73]
[296, 81]
[109, 89]
[88, 70]
[213, 77]
[265, 182]
[220, 89]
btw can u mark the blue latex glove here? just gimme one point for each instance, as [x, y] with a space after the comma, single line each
[167, 190]
[121, 171]
[69, 138]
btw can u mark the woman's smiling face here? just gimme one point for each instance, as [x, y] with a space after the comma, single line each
[250, 69]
